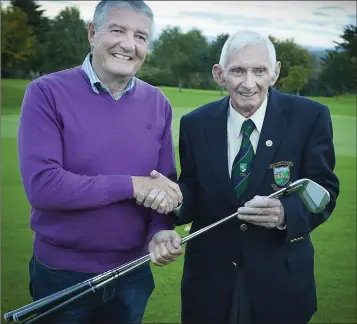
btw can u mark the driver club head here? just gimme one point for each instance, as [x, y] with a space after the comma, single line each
[314, 196]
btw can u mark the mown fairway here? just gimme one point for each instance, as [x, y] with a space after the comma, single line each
[335, 241]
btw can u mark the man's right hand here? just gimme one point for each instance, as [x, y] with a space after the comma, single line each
[157, 192]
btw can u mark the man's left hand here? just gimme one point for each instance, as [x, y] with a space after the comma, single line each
[263, 211]
[165, 247]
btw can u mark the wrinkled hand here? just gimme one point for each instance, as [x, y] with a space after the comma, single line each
[158, 192]
[263, 211]
[165, 247]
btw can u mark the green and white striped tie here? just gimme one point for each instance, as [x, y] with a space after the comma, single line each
[242, 164]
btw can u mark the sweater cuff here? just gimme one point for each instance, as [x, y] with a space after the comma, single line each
[119, 187]
[165, 224]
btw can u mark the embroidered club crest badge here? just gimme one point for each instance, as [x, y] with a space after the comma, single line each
[281, 175]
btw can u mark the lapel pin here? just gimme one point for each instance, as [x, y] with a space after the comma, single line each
[269, 143]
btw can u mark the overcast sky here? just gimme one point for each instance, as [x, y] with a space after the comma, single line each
[310, 23]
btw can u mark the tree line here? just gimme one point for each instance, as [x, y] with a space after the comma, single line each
[33, 44]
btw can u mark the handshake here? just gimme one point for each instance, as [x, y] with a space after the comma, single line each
[157, 192]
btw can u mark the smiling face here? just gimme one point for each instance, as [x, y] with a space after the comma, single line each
[120, 44]
[247, 76]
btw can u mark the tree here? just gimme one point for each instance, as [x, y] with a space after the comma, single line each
[339, 66]
[183, 54]
[338, 73]
[155, 75]
[40, 26]
[35, 15]
[349, 43]
[215, 50]
[17, 41]
[297, 77]
[291, 54]
[214, 55]
[67, 41]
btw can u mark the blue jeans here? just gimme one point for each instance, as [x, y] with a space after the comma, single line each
[122, 301]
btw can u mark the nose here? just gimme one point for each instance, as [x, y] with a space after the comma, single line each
[248, 81]
[127, 43]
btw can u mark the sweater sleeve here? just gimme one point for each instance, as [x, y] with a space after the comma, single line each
[166, 166]
[40, 149]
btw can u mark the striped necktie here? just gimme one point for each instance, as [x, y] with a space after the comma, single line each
[242, 164]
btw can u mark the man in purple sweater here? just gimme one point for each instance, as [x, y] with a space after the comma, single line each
[94, 140]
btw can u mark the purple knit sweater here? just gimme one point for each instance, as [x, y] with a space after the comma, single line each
[77, 152]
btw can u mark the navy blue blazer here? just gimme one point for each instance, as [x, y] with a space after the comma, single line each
[278, 266]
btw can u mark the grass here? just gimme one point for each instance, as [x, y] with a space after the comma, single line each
[335, 241]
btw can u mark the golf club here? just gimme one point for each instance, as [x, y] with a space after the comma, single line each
[313, 196]
[44, 302]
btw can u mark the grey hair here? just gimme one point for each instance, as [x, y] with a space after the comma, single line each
[243, 38]
[102, 7]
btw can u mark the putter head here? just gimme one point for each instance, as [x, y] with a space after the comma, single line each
[314, 196]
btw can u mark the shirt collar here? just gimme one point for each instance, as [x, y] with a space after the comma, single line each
[257, 117]
[95, 82]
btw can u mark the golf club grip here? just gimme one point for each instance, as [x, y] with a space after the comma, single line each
[47, 301]
[114, 275]
[43, 302]
[39, 316]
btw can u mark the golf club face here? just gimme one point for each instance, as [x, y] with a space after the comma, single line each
[314, 196]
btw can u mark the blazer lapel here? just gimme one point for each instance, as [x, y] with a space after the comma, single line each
[217, 143]
[274, 126]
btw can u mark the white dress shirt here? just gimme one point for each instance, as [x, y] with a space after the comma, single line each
[234, 124]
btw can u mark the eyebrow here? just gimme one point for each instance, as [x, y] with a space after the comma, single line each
[244, 68]
[113, 25]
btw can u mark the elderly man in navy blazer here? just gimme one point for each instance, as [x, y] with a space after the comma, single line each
[259, 267]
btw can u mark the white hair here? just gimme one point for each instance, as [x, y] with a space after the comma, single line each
[243, 38]
[138, 5]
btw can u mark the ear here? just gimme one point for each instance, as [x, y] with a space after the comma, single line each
[276, 73]
[217, 73]
[91, 33]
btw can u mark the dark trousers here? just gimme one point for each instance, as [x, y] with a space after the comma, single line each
[241, 310]
[121, 302]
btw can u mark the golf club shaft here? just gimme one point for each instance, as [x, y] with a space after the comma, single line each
[114, 275]
[223, 220]
[45, 302]
[103, 279]
[26, 312]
